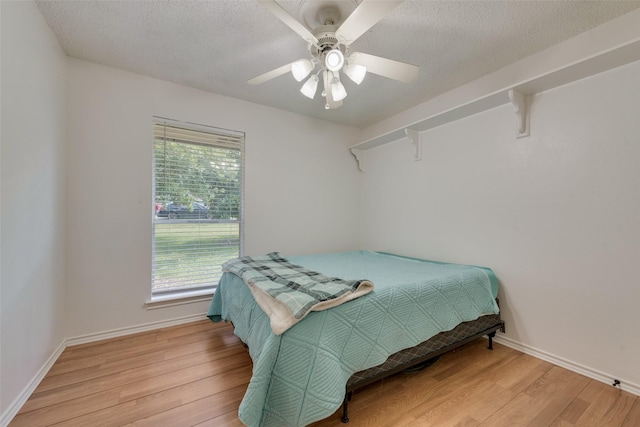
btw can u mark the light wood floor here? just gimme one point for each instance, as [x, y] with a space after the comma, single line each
[196, 374]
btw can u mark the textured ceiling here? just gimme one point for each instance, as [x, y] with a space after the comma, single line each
[218, 45]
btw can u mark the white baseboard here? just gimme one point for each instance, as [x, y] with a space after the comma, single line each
[13, 409]
[15, 406]
[128, 330]
[568, 364]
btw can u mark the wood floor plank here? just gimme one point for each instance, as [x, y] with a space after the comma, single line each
[480, 400]
[197, 374]
[157, 374]
[599, 405]
[478, 394]
[109, 345]
[204, 325]
[633, 417]
[198, 411]
[520, 372]
[405, 398]
[144, 407]
[118, 348]
[169, 359]
[230, 419]
[190, 374]
[66, 410]
[542, 402]
[477, 372]
[143, 352]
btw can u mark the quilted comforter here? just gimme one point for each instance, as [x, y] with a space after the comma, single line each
[299, 377]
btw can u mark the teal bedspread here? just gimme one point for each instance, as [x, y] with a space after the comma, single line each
[299, 377]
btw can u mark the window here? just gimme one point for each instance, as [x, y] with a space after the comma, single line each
[197, 206]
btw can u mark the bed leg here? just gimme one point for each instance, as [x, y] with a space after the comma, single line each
[491, 335]
[345, 406]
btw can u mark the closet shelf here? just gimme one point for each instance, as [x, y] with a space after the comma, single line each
[518, 95]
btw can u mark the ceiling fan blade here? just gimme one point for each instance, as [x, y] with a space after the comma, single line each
[270, 75]
[289, 20]
[365, 16]
[327, 90]
[384, 67]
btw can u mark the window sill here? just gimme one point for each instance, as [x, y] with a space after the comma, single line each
[186, 297]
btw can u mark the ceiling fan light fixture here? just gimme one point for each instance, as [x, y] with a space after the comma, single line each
[338, 92]
[334, 60]
[330, 43]
[356, 72]
[310, 87]
[301, 69]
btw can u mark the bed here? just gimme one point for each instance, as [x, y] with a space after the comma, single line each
[417, 310]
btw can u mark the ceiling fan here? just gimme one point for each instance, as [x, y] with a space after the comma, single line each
[329, 48]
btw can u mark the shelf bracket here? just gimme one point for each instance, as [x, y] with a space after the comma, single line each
[359, 156]
[519, 101]
[416, 139]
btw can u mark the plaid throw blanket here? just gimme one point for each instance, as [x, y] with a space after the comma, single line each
[288, 292]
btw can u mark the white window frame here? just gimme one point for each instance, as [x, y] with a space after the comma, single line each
[215, 137]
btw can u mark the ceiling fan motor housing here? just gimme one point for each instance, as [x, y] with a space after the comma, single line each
[327, 41]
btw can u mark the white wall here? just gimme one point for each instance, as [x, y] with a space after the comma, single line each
[301, 188]
[556, 215]
[32, 198]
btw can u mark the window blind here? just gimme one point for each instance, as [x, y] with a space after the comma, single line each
[197, 212]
